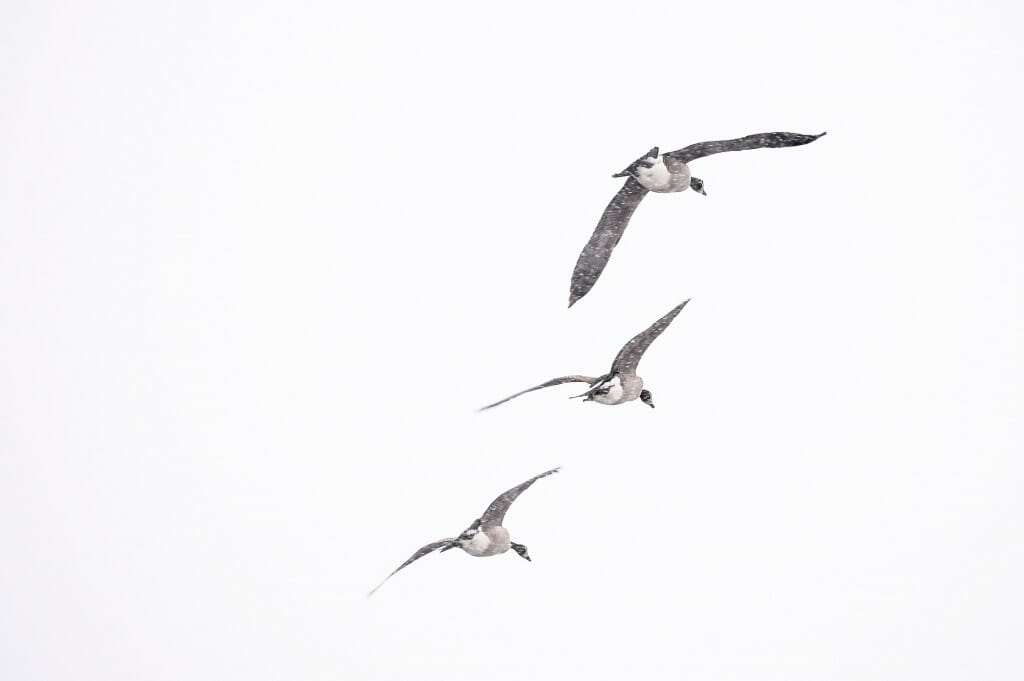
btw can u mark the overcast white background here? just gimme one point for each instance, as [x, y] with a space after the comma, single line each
[260, 263]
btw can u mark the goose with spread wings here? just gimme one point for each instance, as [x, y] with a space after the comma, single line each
[664, 173]
[620, 384]
[486, 536]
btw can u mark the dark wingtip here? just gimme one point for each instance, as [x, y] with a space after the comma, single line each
[679, 308]
[575, 295]
[821, 135]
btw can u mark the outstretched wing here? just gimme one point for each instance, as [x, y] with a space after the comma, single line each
[598, 250]
[495, 513]
[546, 384]
[429, 548]
[630, 354]
[759, 141]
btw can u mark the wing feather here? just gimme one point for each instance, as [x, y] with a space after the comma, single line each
[422, 551]
[610, 227]
[495, 513]
[547, 384]
[629, 356]
[761, 140]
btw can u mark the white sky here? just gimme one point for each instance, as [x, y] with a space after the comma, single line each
[259, 265]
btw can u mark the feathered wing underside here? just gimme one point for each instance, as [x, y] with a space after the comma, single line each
[429, 548]
[629, 356]
[610, 227]
[547, 384]
[761, 140]
[495, 513]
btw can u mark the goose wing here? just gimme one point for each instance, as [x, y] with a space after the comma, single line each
[422, 551]
[547, 384]
[630, 354]
[759, 141]
[610, 227]
[495, 513]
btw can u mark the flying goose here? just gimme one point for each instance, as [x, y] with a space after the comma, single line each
[620, 384]
[486, 536]
[663, 174]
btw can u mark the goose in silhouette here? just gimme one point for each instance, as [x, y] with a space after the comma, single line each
[620, 384]
[665, 173]
[486, 536]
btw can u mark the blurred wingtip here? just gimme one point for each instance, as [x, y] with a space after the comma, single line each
[490, 406]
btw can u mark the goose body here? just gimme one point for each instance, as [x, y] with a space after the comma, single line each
[620, 389]
[665, 176]
[489, 541]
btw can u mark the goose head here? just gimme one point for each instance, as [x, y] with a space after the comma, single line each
[521, 550]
